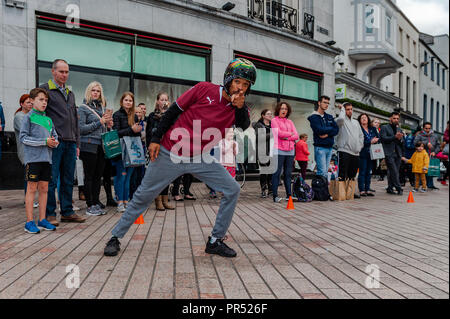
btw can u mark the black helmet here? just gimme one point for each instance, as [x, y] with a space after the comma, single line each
[239, 68]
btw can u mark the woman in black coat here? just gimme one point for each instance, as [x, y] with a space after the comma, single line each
[125, 122]
[161, 105]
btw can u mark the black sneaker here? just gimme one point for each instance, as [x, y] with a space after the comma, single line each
[219, 248]
[111, 202]
[263, 194]
[112, 247]
[390, 191]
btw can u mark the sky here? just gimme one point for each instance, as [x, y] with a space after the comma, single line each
[429, 16]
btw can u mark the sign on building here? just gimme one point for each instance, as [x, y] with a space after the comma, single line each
[341, 91]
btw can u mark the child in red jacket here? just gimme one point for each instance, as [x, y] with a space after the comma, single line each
[301, 154]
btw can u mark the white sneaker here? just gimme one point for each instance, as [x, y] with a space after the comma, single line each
[35, 205]
[121, 208]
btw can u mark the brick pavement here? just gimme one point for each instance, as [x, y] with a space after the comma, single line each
[319, 250]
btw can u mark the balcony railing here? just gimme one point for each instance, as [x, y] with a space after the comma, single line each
[274, 13]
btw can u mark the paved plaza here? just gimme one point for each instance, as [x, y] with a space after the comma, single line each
[319, 250]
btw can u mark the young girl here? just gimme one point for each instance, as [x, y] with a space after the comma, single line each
[332, 171]
[301, 154]
[420, 161]
[228, 151]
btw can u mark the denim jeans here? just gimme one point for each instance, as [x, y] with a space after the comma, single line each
[430, 181]
[365, 166]
[63, 168]
[122, 180]
[322, 156]
[286, 163]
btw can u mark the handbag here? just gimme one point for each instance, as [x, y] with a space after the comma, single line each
[110, 140]
[111, 144]
[376, 151]
[133, 154]
[434, 168]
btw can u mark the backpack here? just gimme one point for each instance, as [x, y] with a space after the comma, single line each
[302, 191]
[409, 142]
[320, 188]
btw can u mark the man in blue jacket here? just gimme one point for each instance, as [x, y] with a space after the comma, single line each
[325, 129]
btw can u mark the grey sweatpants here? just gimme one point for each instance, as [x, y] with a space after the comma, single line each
[163, 171]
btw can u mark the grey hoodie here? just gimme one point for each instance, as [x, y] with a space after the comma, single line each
[91, 129]
[36, 128]
[350, 138]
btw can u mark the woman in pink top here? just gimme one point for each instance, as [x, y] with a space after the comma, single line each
[301, 154]
[285, 136]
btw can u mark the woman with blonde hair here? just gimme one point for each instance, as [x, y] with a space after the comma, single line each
[93, 122]
[126, 124]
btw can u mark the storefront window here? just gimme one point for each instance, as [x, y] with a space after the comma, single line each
[169, 64]
[266, 81]
[298, 87]
[146, 92]
[83, 51]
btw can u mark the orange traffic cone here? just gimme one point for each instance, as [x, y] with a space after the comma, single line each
[410, 198]
[140, 220]
[290, 204]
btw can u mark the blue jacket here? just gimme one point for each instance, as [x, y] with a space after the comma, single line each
[323, 125]
[365, 152]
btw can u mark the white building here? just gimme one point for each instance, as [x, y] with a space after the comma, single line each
[433, 84]
[149, 46]
[406, 80]
[366, 31]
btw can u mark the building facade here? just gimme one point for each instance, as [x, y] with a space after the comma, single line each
[149, 46]
[405, 81]
[366, 31]
[433, 84]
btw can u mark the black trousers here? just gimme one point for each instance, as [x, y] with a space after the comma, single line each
[107, 175]
[187, 180]
[303, 165]
[265, 180]
[93, 166]
[406, 171]
[393, 172]
[347, 166]
[136, 179]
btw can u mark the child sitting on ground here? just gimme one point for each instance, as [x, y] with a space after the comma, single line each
[39, 137]
[420, 161]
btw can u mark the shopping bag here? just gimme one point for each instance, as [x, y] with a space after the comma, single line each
[111, 144]
[434, 167]
[133, 154]
[332, 188]
[80, 172]
[376, 151]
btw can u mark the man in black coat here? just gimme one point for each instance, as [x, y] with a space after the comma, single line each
[392, 140]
